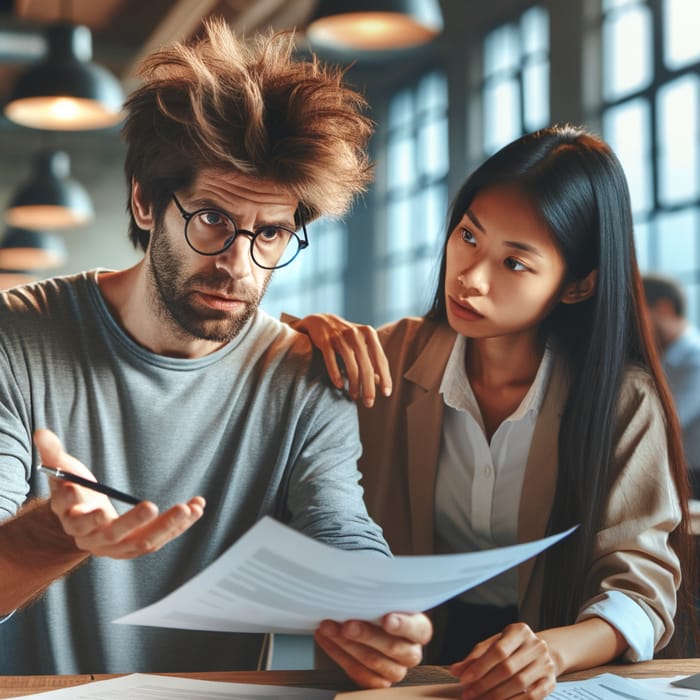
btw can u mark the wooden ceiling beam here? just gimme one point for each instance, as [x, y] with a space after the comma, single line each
[180, 23]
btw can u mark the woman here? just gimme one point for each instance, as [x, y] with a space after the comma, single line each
[529, 399]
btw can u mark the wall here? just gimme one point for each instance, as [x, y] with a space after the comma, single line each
[96, 162]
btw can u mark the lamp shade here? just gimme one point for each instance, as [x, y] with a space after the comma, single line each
[13, 278]
[24, 250]
[66, 91]
[374, 25]
[51, 199]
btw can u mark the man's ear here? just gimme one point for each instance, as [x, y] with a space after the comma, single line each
[581, 289]
[142, 211]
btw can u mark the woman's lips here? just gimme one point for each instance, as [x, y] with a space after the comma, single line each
[464, 310]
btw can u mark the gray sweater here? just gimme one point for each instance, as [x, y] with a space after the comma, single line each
[254, 428]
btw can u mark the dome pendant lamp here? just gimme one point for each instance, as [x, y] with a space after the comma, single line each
[51, 199]
[374, 25]
[66, 91]
[25, 251]
[14, 278]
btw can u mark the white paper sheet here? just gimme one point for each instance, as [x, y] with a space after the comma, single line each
[140, 686]
[663, 689]
[275, 579]
[606, 686]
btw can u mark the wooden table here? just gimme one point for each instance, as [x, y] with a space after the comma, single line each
[16, 686]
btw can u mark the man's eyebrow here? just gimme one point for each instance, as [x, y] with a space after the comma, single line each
[199, 203]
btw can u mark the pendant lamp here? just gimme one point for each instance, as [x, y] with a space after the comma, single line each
[66, 91]
[374, 25]
[51, 199]
[12, 278]
[23, 250]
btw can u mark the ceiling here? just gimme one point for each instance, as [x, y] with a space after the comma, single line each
[123, 31]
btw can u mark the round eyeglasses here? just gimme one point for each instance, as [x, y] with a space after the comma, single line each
[211, 232]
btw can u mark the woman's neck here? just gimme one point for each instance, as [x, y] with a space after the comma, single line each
[503, 361]
[501, 372]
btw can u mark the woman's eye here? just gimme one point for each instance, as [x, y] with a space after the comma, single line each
[515, 265]
[468, 236]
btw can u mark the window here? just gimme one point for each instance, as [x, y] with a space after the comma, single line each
[413, 201]
[313, 282]
[515, 88]
[651, 93]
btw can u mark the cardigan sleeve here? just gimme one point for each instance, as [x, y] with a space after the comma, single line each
[632, 553]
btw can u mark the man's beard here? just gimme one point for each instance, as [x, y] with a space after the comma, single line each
[173, 295]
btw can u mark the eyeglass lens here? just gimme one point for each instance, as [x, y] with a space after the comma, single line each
[210, 232]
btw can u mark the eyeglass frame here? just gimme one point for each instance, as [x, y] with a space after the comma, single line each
[187, 216]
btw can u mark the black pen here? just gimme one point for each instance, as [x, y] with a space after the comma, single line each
[94, 485]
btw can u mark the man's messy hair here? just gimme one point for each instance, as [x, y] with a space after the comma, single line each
[250, 107]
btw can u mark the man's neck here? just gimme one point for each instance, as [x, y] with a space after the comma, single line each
[129, 297]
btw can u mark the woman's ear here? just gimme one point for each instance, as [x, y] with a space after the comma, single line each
[142, 211]
[581, 289]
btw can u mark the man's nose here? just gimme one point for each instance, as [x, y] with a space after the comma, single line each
[236, 258]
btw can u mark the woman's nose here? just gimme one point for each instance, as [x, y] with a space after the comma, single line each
[474, 279]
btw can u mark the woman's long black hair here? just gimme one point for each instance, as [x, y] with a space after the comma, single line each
[576, 183]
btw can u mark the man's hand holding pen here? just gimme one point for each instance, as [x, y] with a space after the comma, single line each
[92, 521]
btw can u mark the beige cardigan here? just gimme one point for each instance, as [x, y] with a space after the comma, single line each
[401, 442]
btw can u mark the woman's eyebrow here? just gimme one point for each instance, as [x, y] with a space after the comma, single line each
[474, 219]
[518, 245]
[526, 247]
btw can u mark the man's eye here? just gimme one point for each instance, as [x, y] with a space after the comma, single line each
[213, 218]
[269, 233]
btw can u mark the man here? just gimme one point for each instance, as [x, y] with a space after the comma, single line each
[166, 380]
[679, 343]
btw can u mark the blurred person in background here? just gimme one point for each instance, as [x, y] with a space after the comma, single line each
[679, 344]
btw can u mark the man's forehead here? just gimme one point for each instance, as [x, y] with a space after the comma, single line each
[234, 186]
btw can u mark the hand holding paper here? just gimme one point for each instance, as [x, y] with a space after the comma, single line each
[376, 655]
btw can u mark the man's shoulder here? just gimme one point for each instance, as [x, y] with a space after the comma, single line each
[284, 350]
[39, 298]
[278, 337]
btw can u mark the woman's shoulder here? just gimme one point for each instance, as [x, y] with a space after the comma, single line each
[415, 329]
[638, 395]
[637, 381]
[413, 334]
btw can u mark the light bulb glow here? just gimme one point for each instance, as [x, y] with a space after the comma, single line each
[45, 217]
[370, 31]
[61, 113]
[64, 109]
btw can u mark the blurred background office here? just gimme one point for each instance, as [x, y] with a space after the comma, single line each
[486, 72]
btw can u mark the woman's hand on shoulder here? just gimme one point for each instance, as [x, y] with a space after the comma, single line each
[362, 360]
[515, 663]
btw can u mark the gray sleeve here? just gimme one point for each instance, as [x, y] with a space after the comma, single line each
[325, 498]
[15, 439]
[685, 385]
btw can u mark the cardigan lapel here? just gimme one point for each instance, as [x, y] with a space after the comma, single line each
[424, 427]
[539, 483]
